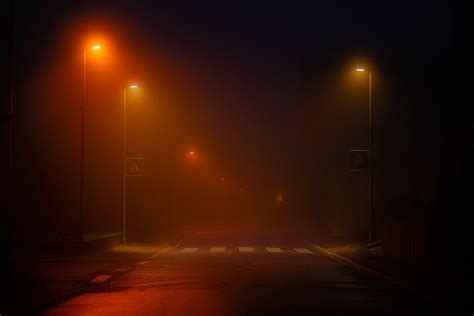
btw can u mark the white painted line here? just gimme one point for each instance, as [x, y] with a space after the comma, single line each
[274, 249]
[217, 249]
[187, 250]
[302, 250]
[246, 249]
[144, 262]
[101, 278]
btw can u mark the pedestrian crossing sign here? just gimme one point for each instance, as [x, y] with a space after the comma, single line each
[358, 159]
[134, 166]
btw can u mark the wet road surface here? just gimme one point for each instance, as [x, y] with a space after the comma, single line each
[232, 273]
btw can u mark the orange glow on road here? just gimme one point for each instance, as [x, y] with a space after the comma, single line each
[154, 301]
[96, 47]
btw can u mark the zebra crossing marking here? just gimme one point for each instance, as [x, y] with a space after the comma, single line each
[188, 250]
[101, 278]
[302, 250]
[244, 249]
[274, 249]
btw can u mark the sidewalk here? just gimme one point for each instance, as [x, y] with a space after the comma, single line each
[72, 243]
[414, 275]
[43, 279]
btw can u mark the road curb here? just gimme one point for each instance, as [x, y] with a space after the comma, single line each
[369, 271]
[161, 253]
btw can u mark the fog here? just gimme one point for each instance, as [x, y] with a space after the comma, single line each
[267, 123]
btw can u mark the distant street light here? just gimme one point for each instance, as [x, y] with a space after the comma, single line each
[370, 153]
[124, 171]
[81, 177]
[191, 155]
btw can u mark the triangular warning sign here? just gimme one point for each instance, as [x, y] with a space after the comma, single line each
[134, 167]
[359, 162]
[359, 159]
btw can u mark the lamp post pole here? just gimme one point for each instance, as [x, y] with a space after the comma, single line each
[124, 172]
[81, 177]
[82, 149]
[370, 162]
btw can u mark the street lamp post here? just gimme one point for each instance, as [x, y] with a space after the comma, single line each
[81, 167]
[370, 155]
[124, 171]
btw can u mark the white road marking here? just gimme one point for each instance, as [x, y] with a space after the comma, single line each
[274, 249]
[246, 249]
[217, 249]
[101, 278]
[144, 262]
[185, 250]
[302, 250]
[243, 249]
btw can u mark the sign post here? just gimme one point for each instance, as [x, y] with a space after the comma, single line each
[360, 160]
[133, 167]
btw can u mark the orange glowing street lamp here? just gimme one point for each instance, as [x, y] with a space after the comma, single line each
[370, 151]
[191, 154]
[124, 156]
[94, 47]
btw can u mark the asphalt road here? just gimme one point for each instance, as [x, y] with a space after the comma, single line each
[232, 273]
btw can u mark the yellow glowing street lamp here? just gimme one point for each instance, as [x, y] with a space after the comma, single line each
[124, 156]
[369, 151]
[94, 47]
